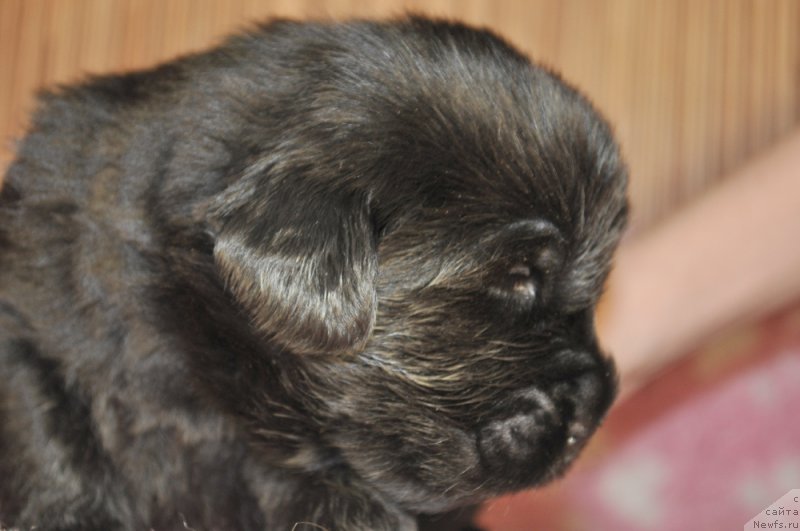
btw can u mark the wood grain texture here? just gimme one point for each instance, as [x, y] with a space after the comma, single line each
[692, 87]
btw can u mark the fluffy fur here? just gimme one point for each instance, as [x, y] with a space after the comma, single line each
[341, 274]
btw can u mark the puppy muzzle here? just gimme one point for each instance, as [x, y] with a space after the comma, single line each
[544, 428]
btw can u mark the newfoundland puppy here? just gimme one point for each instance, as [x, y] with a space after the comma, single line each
[325, 276]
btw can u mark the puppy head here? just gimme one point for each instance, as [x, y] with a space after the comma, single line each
[426, 225]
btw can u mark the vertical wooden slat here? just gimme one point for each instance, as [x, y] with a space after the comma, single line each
[10, 27]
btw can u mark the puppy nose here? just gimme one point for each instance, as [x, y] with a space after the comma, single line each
[589, 392]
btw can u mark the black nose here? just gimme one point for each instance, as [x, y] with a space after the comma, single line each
[584, 400]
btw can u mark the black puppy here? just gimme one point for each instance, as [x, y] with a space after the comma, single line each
[334, 274]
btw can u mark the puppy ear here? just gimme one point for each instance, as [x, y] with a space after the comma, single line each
[302, 261]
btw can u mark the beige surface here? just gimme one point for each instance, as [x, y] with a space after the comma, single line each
[692, 87]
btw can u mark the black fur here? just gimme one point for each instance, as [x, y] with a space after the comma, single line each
[340, 274]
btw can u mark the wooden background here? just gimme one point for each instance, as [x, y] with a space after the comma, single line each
[693, 87]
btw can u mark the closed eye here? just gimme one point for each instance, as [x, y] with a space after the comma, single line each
[522, 283]
[520, 270]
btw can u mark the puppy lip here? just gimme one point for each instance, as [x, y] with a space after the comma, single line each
[577, 433]
[532, 420]
[538, 398]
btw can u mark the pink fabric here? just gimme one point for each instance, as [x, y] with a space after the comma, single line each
[706, 447]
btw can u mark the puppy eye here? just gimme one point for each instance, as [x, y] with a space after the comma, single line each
[522, 283]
